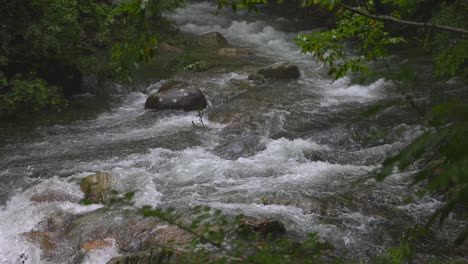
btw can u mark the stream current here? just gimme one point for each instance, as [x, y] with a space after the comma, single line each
[296, 151]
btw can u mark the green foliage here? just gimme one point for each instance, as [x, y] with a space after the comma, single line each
[97, 37]
[223, 235]
[330, 46]
[449, 49]
[198, 66]
[30, 95]
[134, 22]
[444, 146]
[400, 254]
[374, 37]
[181, 62]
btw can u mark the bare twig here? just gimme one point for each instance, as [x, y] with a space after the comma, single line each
[406, 22]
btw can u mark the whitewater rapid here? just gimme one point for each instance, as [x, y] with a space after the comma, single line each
[294, 149]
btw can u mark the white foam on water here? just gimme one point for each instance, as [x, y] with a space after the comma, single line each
[200, 18]
[21, 215]
[129, 109]
[222, 80]
[257, 210]
[341, 91]
[189, 172]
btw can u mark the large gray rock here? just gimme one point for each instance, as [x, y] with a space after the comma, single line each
[280, 70]
[213, 39]
[177, 96]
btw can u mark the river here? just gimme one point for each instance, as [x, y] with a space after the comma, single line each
[298, 151]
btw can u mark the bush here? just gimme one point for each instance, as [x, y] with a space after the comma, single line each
[30, 96]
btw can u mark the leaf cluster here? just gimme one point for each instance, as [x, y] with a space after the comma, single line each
[352, 30]
[218, 238]
[97, 37]
[30, 95]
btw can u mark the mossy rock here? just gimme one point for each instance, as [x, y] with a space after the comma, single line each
[213, 39]
[96, 187]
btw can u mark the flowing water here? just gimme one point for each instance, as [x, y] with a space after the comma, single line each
[298, 151]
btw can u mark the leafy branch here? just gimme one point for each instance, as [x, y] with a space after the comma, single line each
[405, 22]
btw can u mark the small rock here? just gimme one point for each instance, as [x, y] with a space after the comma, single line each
[280, 70]
[169, 236]
[261, 226]
[96, 244]
[234, 52]
[256, 78]
[213, 39]
[45, 241]
[96, 187]
[177, 96]
[167, 48]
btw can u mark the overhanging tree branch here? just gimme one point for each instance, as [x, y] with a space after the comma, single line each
[406, 22]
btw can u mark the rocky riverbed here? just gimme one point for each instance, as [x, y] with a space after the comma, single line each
[247, 125]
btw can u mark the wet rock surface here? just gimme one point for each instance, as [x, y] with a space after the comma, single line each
[96, 244]
[213, 39]
[280, 70]
[234, 52]
[177, 96]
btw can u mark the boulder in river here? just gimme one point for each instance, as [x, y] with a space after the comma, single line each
[213, 39]
[96, 187]
[177, 96]
[280, 70]
[234, 52]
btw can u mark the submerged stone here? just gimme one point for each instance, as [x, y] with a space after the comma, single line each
[280, 70]
[96, 244]
[44, 240]
[234, 52]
